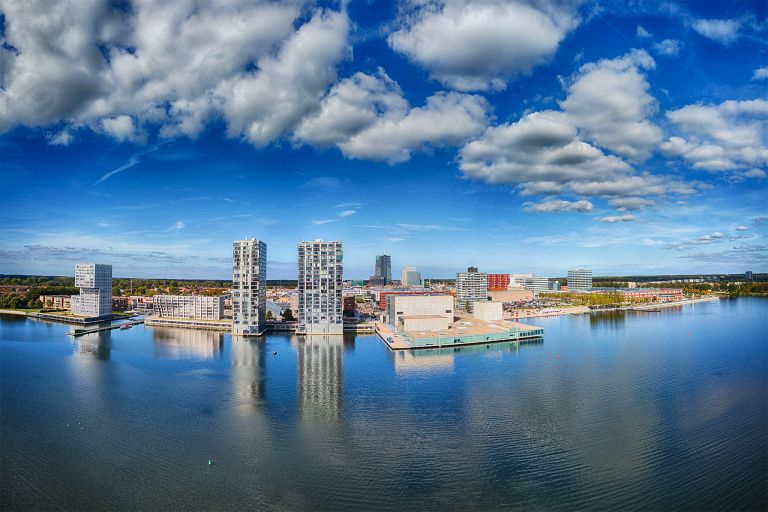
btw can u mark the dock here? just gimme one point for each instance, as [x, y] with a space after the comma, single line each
[386, 334]
[81, 332]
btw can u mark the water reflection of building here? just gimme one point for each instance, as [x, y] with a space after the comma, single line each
[97, 344]
[320, 377]
[248, 372]
[441, 360]
[171, 341]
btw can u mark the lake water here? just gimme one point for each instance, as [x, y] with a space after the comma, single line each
[663, 411]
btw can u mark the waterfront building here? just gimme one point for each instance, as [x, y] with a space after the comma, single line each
[349, 305]
[748, 275]
[510, 295]
[521, 281]
[471, 286]
[487, 311]
[410, 277]
[320, 287]
[408, 313]
[498, 282]
[249, 285]
[95, 283]
[539, 284]
[120, 303]
[189, 306]
[382, 272]
[56, 301]
[579, 279]
[383, 294]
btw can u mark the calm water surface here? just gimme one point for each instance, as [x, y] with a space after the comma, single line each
[661, 411]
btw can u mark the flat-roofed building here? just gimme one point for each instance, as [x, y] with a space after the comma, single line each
[487, 311]
[540, 284]
[579, 279]
[189, 306]
[320, 287]
[249, 287]
[470, 287]
[419, 312]
[521, 280]
[511, 295]
[498, 282]
[56, 301]
[95, 283]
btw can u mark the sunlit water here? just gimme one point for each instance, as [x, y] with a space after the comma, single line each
[655, 411]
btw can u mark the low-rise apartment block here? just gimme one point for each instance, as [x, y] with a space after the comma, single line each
[189, 306]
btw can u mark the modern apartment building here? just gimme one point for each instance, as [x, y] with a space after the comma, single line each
[471, 286]
[382, 272]
[189, 306]
[521, 280]
[498, 282]
[579, 279]
[249, 286]
[410, 277]
[539, 284]
[320, 287]
[95, 283]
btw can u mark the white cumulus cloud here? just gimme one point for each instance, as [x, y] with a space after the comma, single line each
[610, 102]
[479, 44]
[559, 205]
[725, 32]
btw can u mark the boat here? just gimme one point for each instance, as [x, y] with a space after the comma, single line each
[125, 326]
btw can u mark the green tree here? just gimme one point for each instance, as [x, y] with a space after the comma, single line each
[270, 316]
[288, 315]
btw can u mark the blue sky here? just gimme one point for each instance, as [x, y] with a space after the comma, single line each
[626, 137]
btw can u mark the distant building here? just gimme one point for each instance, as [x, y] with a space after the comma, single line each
[95, 283]
[471, 287]
[521, 281]
[579, 279]
[189, 306]
[555, 285]
[56, 301]
[320, 287]
[498, 282]
[120, 303]
[748, 275]
[249, 286]
[510, 295]
[410, 277]
[382, 273]
[540, 284]
[409, 313]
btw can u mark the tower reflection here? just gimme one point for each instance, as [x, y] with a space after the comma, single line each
[97, 344]
[320, 377]
[248, 373]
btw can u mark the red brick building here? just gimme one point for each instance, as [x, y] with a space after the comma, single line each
[498, 282]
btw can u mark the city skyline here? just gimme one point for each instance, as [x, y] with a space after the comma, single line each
[626, 141]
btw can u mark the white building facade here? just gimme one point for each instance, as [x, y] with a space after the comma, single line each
[320, 287]
[579, 279]
[408, 313]
[470, 287]
[189, 306]
[95, 283]
[521, 281]
[249, 287]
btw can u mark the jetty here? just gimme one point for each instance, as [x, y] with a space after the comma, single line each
[91, 330]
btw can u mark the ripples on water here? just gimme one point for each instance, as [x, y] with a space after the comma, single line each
[662, 411]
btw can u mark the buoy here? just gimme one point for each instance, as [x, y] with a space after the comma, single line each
[210, 462]
[274, 353]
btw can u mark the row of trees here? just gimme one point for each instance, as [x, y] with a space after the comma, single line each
[731, 288]
[31, 299]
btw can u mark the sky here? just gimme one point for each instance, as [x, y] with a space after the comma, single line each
[520, 136]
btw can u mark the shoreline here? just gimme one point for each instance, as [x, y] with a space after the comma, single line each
[580, 310]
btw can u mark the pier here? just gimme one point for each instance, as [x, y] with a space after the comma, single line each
[80, 332]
